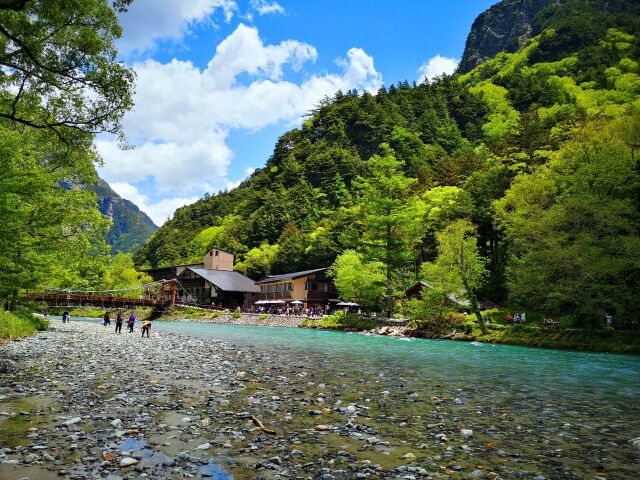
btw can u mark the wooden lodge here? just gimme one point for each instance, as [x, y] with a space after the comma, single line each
[311, 287]
[210, 283]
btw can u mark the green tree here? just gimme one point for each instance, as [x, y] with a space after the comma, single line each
[358, 280]
[459, 269]
[121, 273]
[258, 261]
[386, 214]
[61, 57]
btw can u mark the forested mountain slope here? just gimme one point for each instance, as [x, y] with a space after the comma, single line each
[130, 227]
[535, 148]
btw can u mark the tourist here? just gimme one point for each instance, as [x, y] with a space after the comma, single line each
[146, 327]
[107, 319]
[119, 321]
[65, 316]
[131, 322]
[609, 319]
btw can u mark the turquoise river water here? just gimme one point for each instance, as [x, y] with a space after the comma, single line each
[563, 413]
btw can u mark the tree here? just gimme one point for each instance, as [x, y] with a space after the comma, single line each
[357, 280]
[459, 268]
[386, 214]
[43, 224]
[573, 230]
[258, 261]
[121, 273]
[61, 56]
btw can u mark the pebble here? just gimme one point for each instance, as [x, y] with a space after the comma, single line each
[128, 461]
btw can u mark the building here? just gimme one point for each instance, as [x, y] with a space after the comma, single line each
[311, 287]
[415, 291]
[212, 282]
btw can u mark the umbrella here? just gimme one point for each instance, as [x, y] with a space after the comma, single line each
[296, 302]
[347, 304]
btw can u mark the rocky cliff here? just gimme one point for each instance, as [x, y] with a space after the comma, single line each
[130, 227]
[505, 27]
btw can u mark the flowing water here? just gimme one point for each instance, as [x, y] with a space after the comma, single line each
[562, 414]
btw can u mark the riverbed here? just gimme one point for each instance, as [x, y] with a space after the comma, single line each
[191, 400]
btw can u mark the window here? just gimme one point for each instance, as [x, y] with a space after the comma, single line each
[216, 253]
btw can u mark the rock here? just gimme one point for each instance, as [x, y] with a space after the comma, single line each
[409, 456]
[275, 460]
[298, 453]
[203, 446]
[323, 428]
[477, 474]
[128, 461]
[73, 421]
[116, 423]
[205, 422]
[182, 457]
[30, 458]
[635, 443]
[466, 433]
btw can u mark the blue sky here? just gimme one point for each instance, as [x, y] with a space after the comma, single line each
[218, 81]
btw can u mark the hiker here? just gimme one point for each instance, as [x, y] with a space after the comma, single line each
[146, 327]
[65, 316]
[107, 319]
[119, 321]
[131, 322]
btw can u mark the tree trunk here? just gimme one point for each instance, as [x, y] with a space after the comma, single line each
[476, 309]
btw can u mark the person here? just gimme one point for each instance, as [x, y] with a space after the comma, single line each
[65, 316]
[609, 320]
[146, 327]
[107, 319]
[131, 322]
[119, 321]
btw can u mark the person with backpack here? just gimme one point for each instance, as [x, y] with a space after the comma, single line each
[131, 322]
[65, 316]
[107, 319]
[119, 321]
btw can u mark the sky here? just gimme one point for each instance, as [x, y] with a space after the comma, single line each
[218, 81]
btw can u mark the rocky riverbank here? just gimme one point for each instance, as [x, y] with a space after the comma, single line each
[81, 402]
[259, 320]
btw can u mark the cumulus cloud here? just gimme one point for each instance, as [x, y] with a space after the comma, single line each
[158, 211]
[264, 7]
[183, 114]
[148, 21]
[436, 66]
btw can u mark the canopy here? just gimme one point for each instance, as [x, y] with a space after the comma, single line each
[347, 304]
[297, 302]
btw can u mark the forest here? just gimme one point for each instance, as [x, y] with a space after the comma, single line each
[516, 182]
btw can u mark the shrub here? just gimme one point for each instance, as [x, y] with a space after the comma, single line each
[236, 314]
[16, 325]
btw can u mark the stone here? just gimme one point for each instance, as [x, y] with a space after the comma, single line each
[322, 428]
[477, 474]
[73, 421]
[466, 433]
[203, 446]
[116, 423]
[128, 461]
[182, 456]
[409, 456]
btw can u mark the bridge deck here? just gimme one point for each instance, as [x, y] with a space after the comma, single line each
[102, 300]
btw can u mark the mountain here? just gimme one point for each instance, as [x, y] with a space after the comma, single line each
[505, 27]
[535, 148]
[130, 227]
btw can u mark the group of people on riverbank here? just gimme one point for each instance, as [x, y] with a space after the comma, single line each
[131, 322]
[106, 321]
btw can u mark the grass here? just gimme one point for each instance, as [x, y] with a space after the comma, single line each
[18, 324]
[340, 321]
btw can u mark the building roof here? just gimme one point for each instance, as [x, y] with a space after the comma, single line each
[289, 276]
[482, 302]
[226, 280]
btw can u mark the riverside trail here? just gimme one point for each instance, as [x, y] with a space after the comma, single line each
[79, 402]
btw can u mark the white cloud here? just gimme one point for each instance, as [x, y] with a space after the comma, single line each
[264, 7]
[183, 114]
[437, 66]
[160, 211]
[148, 21]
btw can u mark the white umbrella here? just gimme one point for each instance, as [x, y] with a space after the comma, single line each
[296, 302]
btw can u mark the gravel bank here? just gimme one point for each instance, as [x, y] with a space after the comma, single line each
[82, 402]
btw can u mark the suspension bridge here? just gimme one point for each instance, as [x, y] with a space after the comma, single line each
[161, 295]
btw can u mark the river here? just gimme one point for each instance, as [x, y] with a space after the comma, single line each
[553, 413]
